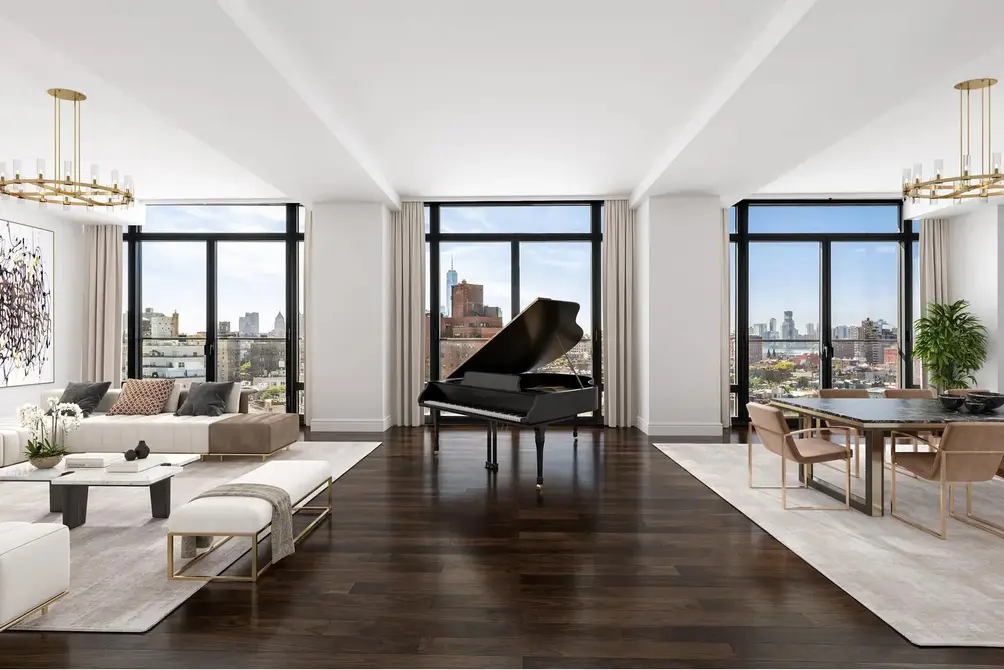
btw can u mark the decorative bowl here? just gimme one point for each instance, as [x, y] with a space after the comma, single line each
[975, 404]
[991, 400]
[45, 462]
[952, 402]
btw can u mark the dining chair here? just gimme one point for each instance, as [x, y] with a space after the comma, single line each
[769, 424]
[910, 393]
[965, 392]
[927, 437]
[855, 435]
[970, 452]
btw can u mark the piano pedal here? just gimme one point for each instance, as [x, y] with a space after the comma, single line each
[494, 467]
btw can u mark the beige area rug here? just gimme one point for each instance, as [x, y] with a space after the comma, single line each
[933, 592]
[118, 568]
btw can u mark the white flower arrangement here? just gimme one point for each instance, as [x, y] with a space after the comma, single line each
[48, 429]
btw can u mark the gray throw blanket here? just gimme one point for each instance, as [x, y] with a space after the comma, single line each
[282, 517]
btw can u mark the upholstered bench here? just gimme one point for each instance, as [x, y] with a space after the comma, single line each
[34, 568]
[230, 517]
[253, 434]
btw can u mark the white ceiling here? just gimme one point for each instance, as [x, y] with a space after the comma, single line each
[383, 99]
[923, 127]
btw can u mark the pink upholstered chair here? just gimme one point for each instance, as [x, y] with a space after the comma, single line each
[849, 393]
[770, 426]
[969, 452]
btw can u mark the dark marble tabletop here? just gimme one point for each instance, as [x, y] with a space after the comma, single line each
[888, 410]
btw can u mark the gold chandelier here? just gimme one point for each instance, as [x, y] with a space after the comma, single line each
[988, 180]
[65, 188]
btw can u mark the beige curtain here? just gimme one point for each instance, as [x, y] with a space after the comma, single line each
[408, 330]
[933, 262]
[308, 255]
[618, 313]
[102, 355]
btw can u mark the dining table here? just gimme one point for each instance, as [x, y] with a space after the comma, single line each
[875, 419]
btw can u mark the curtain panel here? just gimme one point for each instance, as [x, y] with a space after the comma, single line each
[408, 329]
[933, 262]
[618, 314]
[102, 355]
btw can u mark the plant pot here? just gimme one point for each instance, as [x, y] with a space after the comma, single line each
[45, 462]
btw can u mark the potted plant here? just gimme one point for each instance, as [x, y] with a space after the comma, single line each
[47, 442]
[952, 343]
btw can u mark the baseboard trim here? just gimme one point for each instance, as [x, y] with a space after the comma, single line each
[708, 429]
[350, 425]
[642, 424]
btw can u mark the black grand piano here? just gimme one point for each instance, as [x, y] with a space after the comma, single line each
[495, 383]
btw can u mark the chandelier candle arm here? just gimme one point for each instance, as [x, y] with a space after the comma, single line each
[989, 181]
[65, 188]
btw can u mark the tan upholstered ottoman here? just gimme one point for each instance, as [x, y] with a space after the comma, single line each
[253, 434]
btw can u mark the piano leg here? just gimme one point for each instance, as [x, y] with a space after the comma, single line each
[575, 432]
[495, 447]
[538, 437]
[488, 448]
[435, 431]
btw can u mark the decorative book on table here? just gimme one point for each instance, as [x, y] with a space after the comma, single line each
[90, 460]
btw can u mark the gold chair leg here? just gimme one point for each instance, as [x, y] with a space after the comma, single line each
[808, 468]
[749, 456]
[971, 519]
[942, 517]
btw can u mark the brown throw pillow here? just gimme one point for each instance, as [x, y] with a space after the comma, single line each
[142, 396]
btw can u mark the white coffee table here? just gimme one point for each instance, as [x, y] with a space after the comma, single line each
[26, 472]
[75, 485]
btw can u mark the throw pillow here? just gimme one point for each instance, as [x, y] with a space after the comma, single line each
[173, 400]
[206, 399]
[85, 395]
[142, 396]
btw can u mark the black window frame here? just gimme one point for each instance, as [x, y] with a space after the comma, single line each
[291, 236]
[435, 237]
[905, 237]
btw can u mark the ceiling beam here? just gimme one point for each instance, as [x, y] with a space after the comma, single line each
[300, 77]
[783, 21]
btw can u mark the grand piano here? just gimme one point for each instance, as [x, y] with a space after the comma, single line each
[496, 383]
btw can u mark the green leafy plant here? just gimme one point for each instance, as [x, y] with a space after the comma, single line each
[44, 448]
[952, 343]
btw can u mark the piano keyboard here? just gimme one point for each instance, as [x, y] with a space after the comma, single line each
[515, 418]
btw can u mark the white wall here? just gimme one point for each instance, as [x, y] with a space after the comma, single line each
[680, 283]
[976, 274]
[350, 318]
[68, 299]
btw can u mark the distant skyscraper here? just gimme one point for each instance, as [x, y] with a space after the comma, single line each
[247, 325]
[279, 327]
[451, 281]
[810, 329]
[223, 328]
[773, 325]
[788, 330]
[759, 329]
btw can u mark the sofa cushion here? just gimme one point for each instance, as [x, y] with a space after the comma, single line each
[85, 395]
[173, 400]
[142, 397]
[163, 433]
[206, 399]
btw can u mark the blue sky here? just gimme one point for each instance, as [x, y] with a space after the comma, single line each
[785, 275]
[251, 275]
[559, 270]
[782, 275]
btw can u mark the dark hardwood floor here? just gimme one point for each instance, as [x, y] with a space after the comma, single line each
[627, 561]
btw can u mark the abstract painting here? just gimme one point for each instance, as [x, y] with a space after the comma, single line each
[26, 307]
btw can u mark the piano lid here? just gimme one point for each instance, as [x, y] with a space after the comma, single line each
[541, 333]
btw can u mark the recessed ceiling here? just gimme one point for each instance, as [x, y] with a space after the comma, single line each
[564, 97]
[374, 100]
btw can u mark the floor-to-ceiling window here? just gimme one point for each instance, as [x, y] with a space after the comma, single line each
[215, 292]
[488, 261]
[824, 297]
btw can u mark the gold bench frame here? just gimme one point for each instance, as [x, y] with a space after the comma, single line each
[298, 506]
[43, 608]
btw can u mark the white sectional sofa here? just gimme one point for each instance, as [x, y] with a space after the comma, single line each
[164, 432]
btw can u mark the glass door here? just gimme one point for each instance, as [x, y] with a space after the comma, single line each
[864, 351]
[784, 317]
